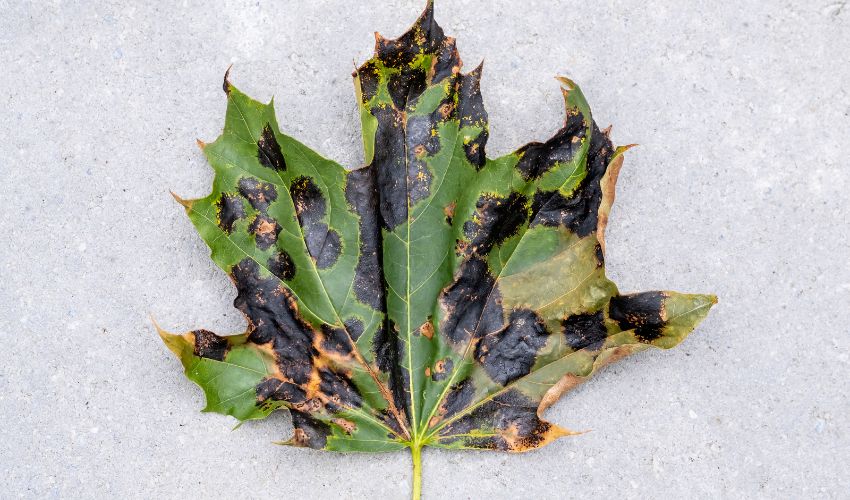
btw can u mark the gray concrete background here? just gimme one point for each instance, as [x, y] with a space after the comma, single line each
[740, 187]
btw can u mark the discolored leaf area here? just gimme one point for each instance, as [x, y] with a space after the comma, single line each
[435, 296]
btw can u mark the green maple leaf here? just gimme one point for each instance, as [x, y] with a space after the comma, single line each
[435, 297]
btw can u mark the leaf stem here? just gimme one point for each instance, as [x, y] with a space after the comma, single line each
[416, 453]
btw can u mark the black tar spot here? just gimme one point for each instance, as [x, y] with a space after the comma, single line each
[265, 230]
[538, 158]
[419, 183]
[448, 61]
[510, 353]
[389, 165]
[406, 87]
[641, 312]
[259, 194]
[281, 265]
[354, 327]
[425, 36]
[323, 243]
[309, 432]
[471, 309]
[340, 391]
[272, 315]
[585, 331]
[230, 209]
[384, 348]
[580, 211]
[472, 112]
[268, 150]
[361, 193]
[459, 397]
[336, 340]
[420, 136]
[497, 220]
[369, 81]
[510, 410]
[209, 345]
[280, 390]
[226, 85]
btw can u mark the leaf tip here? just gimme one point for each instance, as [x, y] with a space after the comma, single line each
[622, 149]
[174, 342]
[227, 86]
[187, 204]
[159, 330]
[567, 85]
[478, 69]
[379, 40]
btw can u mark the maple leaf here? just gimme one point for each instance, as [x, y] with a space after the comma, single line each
[435, 297]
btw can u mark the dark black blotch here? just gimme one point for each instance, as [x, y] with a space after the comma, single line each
[281, 265]
[354, 327]
[390, 420]
[406, 87]
[369, 81]
[309, 201]
[419, 180]
[642, 312]
[585, 331]
[420, 136]
[323, 243]
[336, 340]
[309, 432]
[448, 61]
[265, 230]
[471, 303]
[474, 150]
[425, 36]
[340, 391]
[390, 166]
[497, 219]
[272, 314]
[399, 385]
[384, 349]
[509, 410]
[230, 209]
[209, 345]
[579, 212]
[268, 150]
[538, 158]
[471, 111]
[280, 390]
[259, 194]
[510, 353]
[460, 396]
[361, 193]
[325, 250]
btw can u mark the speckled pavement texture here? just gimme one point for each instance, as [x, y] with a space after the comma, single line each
[739, 187]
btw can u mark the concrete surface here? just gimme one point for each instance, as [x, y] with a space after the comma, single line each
[740, 187]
